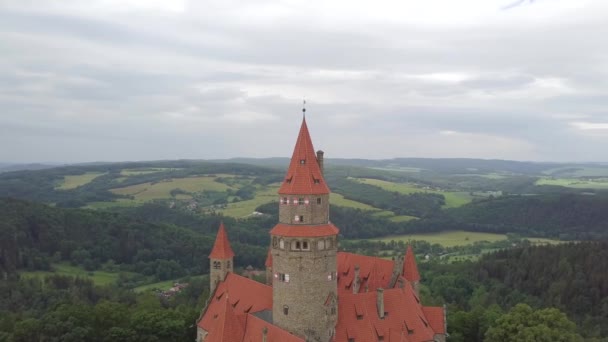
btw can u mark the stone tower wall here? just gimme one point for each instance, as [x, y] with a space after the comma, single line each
[313, 212]
[218, 274]
[305, 305]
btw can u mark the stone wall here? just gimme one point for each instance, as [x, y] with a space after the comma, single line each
[304, 289]
[313, 212]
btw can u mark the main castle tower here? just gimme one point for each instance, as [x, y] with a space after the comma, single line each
[304, 248]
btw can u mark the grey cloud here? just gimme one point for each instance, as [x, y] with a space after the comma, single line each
[147, 86]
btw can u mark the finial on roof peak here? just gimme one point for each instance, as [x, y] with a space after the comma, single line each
[304, 109]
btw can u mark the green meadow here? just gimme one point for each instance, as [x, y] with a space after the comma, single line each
[452, 199]
[74, 181]
[162, 190]
[246, 208]
[98, 277]
[577, 183]
[458, 238]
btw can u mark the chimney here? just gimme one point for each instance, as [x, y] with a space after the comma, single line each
[265, 334]
[357, 280]
[380, 302]
[320, 159]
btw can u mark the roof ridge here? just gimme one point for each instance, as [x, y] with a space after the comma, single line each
[410, 268]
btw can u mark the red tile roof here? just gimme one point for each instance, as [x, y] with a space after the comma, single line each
[268, 262]
[404, 318]
[304, 176]
[255, 327]
[373, 272]
[245, 295]
[221, 247]
[228, 316]
[436, 318]
[301, 230]
[227, 327]
[410, 269]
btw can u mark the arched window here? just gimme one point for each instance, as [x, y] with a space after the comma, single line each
[217, 265]
[281, 244]
[274, 242]
[285, 310]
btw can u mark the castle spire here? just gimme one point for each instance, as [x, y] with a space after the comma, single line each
[221, 247]
[304, 176]
[220, 259]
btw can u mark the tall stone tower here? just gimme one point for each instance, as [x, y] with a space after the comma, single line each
[304, 249]
[220, 259]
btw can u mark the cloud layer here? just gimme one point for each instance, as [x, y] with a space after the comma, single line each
[154, 79]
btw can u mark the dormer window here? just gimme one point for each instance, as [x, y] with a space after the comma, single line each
[317, 181]
[302, 161]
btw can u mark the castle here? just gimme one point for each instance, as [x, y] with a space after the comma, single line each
[313, 292]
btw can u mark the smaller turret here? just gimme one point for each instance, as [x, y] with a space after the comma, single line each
[220, 259]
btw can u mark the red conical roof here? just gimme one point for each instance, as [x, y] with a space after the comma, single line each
[221, 247]
[410, 269]
[304, 176]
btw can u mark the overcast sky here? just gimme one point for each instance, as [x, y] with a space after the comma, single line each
[114, 80]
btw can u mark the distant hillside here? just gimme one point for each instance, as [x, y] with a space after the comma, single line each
[568, 216]
[34, 235]
[5, 167]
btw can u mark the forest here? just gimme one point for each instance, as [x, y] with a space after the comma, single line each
[511, 294]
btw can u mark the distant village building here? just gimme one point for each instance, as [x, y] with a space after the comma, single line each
[314, 292]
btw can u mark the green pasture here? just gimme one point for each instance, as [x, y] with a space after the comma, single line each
[459, 238]
[339, 200]
[448, 239]
[452, 199]
[161, 285]
[161, 190]
[246, 208]
[578, 183]
[74, 181]
[98, 277]
[145, 171]
[576, 172]
[402, 218]
[121, 202]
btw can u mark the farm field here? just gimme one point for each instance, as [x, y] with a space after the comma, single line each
[98, 277]
[599, 183]
[459, 238]
[402, 218]
[72, 182]
[161, 285]
[339, 200]
[448, 239]
[246, 208]
[575, 172]
[151, 191]
[452, 199]
[145, 171]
